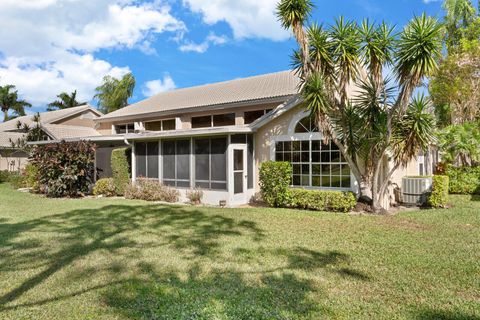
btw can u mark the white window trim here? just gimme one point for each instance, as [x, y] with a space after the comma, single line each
[292, 136]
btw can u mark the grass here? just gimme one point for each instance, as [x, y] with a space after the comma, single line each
[119, 259]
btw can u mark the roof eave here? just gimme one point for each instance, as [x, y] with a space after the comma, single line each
[246, 103]
[189, 132]
[277, 112]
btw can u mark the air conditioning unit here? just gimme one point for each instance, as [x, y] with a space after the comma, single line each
[415, 190]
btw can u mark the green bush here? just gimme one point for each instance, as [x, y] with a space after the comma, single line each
[120, 169]
[322, 200]
[17, 180]
[65, 169]
[4, 175]
[439, 196]
[151, 190]
[463, 180]
[105, 187]
[275, 178]
[31, 176]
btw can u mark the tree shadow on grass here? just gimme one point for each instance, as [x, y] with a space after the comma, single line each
[431, 314]
[78, 233]
[45, 246]
[218, 294]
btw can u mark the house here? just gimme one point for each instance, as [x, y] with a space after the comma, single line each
[56, 125]
[215, 137]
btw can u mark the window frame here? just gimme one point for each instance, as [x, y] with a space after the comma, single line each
[212, 121]
[176, 180]
[161, 124]
[127, 124]
[210, 181]
[310, 164]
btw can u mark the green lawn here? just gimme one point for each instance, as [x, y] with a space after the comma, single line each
[119, 259]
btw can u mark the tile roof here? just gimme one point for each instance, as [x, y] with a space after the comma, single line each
[6, 136]
[45, 117]
[257, 88]
[60, 132]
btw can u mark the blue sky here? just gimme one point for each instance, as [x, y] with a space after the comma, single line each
[165, 44]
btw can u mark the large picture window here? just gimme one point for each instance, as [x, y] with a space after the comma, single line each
[314, 163]
[211, 163]
[176, 163]
[147, 159]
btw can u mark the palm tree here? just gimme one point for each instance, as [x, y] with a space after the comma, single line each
[9, 101]
[293, 14]
[65, 101]
[114, 93]
[376, 125]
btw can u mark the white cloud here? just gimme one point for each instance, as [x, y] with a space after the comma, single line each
[156, 86]
[212, 38]
[247, 18]
[430, 1]
[48, 46]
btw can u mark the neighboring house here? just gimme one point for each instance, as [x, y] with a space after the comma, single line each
[56, 125]
[215, 137]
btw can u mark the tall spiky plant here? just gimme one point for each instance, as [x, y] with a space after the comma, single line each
[367, 129]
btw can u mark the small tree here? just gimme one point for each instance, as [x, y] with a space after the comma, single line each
[382, 125]
[114, 93]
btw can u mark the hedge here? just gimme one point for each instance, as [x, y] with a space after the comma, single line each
[65, 168]
[439, 196]
[275, 178]
[120, 169]
[463, 180]
[322, 200]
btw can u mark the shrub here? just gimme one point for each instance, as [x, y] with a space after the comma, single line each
[195, 196]
[120, 169]
[463, 180]
[151, 190]
[31, 176]
[439, 196]
[105, 187]
[275, 178]
[4, 174]
[322, 200]
[17, 180]
[65, 169]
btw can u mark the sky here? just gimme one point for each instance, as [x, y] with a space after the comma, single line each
[51, 46]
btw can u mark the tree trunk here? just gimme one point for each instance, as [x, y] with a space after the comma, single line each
[5, 115]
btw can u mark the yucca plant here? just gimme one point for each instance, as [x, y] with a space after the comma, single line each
[383, 123]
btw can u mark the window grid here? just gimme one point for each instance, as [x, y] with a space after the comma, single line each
[314, 164]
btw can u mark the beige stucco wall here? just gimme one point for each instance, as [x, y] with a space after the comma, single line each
[265, 135]
[104, 128]
[13, 160]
